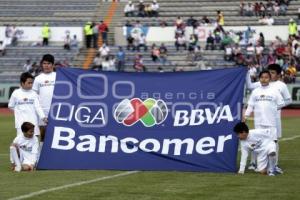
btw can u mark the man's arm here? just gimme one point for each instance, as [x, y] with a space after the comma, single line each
[244, 156]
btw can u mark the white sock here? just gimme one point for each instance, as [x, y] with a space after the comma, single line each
[277, 153]
[14, 156]
[40, 150]
[272, 161]
[253, 157]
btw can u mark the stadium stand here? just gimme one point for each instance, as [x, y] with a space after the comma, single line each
[77, 13]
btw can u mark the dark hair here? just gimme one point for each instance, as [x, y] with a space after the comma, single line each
[275, 67]
[26, 126]
[49, 58]
[24, 76]
[264, 72]
[241, 127]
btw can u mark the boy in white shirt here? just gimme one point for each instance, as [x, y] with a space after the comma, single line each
[44, 86]
[260, 142]
[24, 149]
[25, 104]
[281, 87]
[264, 102]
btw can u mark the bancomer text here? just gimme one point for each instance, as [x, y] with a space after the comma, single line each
[65, 139]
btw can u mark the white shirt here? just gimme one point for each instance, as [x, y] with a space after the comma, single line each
[155, 6]
[280, 86]
[29, 147]
[129, 8]
[104, 51]
[257, 141]
[26, 106]
[44, 86]
[265, 102]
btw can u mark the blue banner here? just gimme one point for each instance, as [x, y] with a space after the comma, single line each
[144, 121]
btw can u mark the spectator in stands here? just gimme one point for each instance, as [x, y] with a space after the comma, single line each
[253, 72]
[163, 53]
[262, 9]
[112, 63]
[138, 64]
[106, 64]
[283, 8]
[8, 34]
[155, 53]
[103, 30]
[210, 42]
[67, 41]
[220, 18]
[291, 73]
[259, 52]
[163, 23]
[2, 48]
[242, 8]
[130, 43]
[88, 32]
[180, 42]
[276, 9]
[141, 9]
[179, 23]
[104, 51]
[227, 40]
[155, 8]
[257, 9]
[142, 42]
[129, 9]
[293, 29]
[74, 42]
[269, 7]
[14, 34]
[197, 54]
[192, 42]
[95, 29]
[27, 66]
[261, 39]
[237, 54]
[97, 62]
[148, 10]
[249, 10]
[35, 69]
[228, 56]
[205, 21]
[46, 34]
[192, 22]
[121, 59]
[270, 20]
[298, 13]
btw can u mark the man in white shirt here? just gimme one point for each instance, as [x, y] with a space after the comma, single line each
[25, 104]
[279, 86]
[44, 86]
[155, 8]
[24, 149]
[104, 51]
[129, 9]
[260, 142]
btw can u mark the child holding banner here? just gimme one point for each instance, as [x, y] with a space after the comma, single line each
[260, 142]
[24, 149]
[25, 104]
[44, 86]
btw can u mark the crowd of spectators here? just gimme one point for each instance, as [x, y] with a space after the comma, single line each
[141, 9]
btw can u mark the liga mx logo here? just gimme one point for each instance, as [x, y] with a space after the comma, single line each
[150, 112]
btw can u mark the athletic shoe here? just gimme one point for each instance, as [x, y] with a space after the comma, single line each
[18, 168]
[278, 170]
[271, 174]
[252, 166]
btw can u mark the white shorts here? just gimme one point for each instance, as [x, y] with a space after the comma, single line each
[27, 158]
[36, 131]
[273, 130]
[262, 156]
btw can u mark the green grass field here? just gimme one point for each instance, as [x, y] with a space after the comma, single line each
[155, 185]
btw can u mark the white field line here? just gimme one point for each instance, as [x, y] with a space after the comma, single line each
[26, 196]
[32, 194]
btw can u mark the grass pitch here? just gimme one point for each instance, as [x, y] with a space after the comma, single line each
[155, 185]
